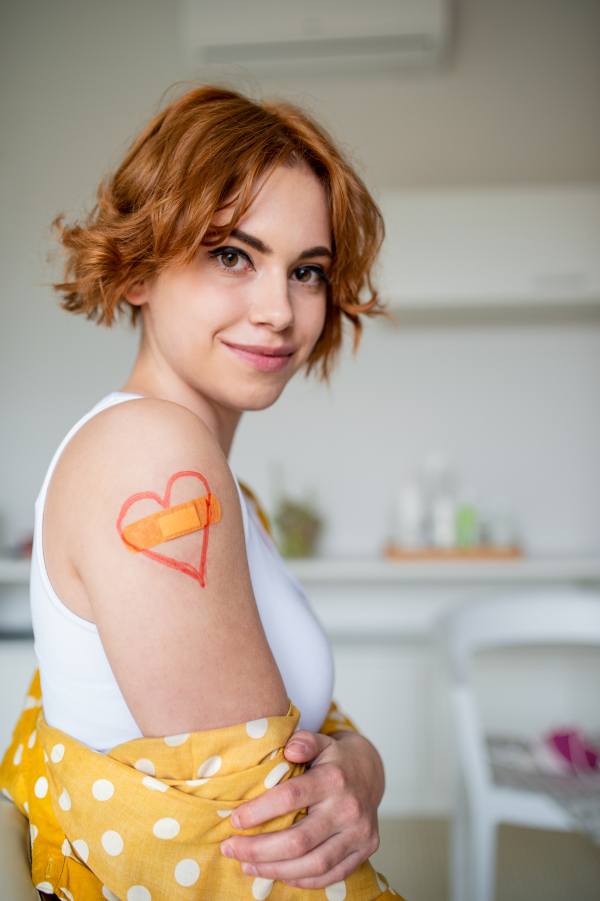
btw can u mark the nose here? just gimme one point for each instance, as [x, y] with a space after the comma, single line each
[271, 305]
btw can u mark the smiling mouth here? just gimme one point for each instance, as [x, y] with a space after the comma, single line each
[267, 359]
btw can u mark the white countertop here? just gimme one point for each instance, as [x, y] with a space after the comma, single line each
[14, 572]
[373, 571]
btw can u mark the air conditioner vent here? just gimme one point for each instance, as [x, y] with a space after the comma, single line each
[284, 36]
[338, 48]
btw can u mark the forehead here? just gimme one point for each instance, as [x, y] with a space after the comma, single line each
[290, 201]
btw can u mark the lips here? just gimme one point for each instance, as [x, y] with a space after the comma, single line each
[263, 357]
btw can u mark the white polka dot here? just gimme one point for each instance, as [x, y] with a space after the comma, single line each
[7, 794]
[276, 774]
[67, 894]
[166, 828]
[138, 893]
[45, 757]
[56, 754]
[66, 848]
[336, 716]
[257, 728]
[226, 813]
[275, 753]
[82, 849]
[261, 888]
[32, 739]
[195, 782]
[392, 891]
[41, 787]
[155, 784]
[45, 887]
[108, 894]
[112, 843]
[380, 883]
[102, 790]
[336, 891]
[187, 872]
[30, 703]
[64, 802]
[26, 806]
[18, 755]
[173, 740]
[33, 831]
[145, 766]
[210, 766]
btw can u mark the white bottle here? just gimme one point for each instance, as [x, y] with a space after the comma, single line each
[438, 481]
[410, 515]
[443, 522]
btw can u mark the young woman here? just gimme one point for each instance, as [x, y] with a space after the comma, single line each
[240, 237]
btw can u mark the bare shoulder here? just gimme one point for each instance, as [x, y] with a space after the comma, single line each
[131, 447]
[137, 432]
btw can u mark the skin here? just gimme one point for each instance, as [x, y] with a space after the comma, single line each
[221, 336]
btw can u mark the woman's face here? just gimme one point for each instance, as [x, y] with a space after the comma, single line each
[243, 318]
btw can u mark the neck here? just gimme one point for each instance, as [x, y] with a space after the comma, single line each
[151, 379]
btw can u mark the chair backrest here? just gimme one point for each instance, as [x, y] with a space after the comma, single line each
[549, 617]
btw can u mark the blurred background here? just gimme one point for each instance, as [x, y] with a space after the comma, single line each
[470, 419]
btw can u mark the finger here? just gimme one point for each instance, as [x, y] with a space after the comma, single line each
[342, 871]
[304, 746]
[287, 844]
[297, 793]
[329, 862]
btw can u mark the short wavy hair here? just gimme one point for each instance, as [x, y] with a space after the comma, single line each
[203, 153]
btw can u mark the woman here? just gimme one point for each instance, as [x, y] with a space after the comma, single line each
[239, 236]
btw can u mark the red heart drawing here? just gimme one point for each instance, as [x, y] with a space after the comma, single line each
[198, 574]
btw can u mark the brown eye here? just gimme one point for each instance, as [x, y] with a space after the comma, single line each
[303, 275]
[230, 259]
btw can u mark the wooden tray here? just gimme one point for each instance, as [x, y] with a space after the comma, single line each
[394, 552]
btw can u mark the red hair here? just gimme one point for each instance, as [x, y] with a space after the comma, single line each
[158, 208]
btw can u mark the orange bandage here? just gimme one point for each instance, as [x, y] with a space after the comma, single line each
[171, 523]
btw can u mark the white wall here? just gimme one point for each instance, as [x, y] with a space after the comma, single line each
[516, 407]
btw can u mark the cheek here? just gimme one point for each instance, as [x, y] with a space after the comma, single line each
[314, 320]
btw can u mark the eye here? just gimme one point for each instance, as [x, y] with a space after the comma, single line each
[310, 275]
[231, 258]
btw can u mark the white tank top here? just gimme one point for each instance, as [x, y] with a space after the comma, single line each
[80, 693]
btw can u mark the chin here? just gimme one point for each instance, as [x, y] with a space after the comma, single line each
[253, 401]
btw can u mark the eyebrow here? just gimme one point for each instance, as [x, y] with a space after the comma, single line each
[257, 244]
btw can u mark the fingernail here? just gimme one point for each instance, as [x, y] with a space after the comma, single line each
[227, 850]
[235, 821]
[291, 882]
[297, 746]
[249, 870]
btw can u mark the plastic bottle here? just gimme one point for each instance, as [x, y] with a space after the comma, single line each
[410, 515]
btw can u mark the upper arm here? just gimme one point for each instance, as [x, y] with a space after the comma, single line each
[186, 657]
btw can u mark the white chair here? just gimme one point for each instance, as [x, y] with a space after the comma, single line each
[563, 617]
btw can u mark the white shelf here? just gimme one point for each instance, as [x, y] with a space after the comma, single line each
[529, 570]
[492, 246]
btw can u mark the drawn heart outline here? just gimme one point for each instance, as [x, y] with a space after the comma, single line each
[198, 574]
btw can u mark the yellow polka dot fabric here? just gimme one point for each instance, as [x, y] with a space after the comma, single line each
[144, 822]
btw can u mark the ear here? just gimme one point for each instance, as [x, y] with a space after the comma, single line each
[139, 294]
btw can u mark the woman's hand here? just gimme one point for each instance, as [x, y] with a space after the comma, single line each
[341, 789]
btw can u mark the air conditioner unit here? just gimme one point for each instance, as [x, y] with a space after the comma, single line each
[291, 37]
